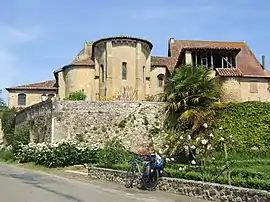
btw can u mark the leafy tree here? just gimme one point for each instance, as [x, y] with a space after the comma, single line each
[78, 95]
[2, 104]
[190, 93]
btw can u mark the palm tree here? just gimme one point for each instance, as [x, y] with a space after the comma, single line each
[189, 93]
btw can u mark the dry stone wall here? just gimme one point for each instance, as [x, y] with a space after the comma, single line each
[95, 122]
[38, 118]
[202, 190]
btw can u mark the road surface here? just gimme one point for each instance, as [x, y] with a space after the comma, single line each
[21, 185]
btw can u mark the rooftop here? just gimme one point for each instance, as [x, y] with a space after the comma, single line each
[44, 85]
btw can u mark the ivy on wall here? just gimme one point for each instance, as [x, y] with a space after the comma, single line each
[247, 122]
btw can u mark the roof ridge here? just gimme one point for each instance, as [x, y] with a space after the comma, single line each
[217, 41]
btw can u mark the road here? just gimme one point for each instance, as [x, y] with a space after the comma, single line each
[19, 184]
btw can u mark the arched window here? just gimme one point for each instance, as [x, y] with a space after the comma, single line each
[160, 80]
[22, 99]
[124, 71]
[102, 73]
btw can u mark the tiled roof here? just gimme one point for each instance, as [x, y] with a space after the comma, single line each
[163, 61]
[229, 72]
[84, 56]
[246, 62]
[44, 85]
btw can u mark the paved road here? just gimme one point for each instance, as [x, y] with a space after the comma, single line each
[18, 184]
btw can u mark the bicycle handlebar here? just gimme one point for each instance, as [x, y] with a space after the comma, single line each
[141, 155]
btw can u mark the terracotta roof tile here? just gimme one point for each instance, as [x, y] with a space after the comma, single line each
[84, 56]
[44, 85]
[246, 60]
[229, 72]
[164, 61]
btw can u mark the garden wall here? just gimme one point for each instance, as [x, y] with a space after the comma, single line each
[38, 119]
[95, 122]
[203, 190]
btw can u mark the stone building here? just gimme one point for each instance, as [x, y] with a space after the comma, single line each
[123, 66]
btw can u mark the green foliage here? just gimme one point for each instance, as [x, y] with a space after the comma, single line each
[20, 136]
[78, 95]
[6, 154]
[189, 93]
[247, 122]
[8, 120]
[113, 153]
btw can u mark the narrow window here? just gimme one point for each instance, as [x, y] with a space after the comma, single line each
[102, 73]
[160, 80]
[143, 74]
[124, 71]
[21, 99]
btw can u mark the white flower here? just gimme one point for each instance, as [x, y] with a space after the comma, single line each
[167, 159]
[211, 135]
[193, 162]
[193, 147]
[204, 141]
[181, 137]
[209, 147]
[220, 128]
[172, 159]
[230, 136]
[213, 158]
[221, 139]
[205, 125]
[180, 168]
[188, 137]
[167, 146]
[186, 147]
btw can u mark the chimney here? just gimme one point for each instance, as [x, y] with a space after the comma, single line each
[263, 62]
[171, 40]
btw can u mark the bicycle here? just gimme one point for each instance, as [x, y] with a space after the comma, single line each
[152, 169]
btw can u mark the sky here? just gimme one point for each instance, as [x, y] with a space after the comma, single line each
[40, 36]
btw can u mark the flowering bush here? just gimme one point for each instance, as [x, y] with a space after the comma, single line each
[58, 154]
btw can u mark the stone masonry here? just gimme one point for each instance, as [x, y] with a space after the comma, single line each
[94, 122]
[203, 190]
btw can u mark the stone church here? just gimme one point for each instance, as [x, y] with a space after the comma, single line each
[123, 67]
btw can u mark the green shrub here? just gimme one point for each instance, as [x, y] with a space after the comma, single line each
[113, 153]
[247, 122]
[8, 120]
[20, 136]
[78, 95]
[6, 154]
[59, 154]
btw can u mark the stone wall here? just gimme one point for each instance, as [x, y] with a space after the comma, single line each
[203, 190]
[38, 118]
[94, 122]
[98, 121]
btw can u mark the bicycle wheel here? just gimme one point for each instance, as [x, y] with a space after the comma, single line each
[130, 176]
[151, 181]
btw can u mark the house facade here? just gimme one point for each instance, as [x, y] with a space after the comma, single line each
[124, 68]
